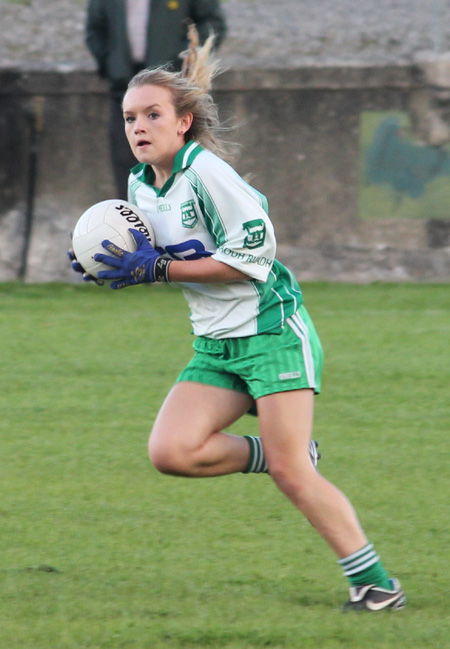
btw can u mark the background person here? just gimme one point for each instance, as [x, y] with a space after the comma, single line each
[125, 36]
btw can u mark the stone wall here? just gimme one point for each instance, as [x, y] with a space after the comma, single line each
[303, 133]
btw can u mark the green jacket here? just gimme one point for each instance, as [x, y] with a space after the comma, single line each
[107, 40]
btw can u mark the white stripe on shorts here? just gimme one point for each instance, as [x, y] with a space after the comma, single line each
[300, 329]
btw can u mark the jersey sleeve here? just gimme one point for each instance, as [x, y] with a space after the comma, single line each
[236, 217]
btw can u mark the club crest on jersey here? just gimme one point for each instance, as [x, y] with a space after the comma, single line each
[256, 233]
[189, 216]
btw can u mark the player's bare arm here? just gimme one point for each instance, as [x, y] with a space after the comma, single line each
[204, 270]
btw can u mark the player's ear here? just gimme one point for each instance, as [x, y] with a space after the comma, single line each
[185, 123]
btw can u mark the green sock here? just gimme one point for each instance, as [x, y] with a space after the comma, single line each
[364, 567]
[257, 462]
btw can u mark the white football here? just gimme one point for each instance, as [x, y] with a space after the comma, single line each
[111, 220]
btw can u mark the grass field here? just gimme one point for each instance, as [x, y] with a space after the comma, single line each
[97, 550]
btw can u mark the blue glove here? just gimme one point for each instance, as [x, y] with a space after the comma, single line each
[78, 268]
[131, 268]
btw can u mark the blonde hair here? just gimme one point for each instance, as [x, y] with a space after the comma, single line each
[190, 88]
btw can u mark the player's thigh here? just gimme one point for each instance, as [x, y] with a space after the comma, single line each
[193, 411]
[286, 421]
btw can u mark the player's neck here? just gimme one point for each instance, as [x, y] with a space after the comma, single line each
[162, 175]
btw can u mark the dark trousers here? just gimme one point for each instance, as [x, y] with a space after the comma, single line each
[122, 158]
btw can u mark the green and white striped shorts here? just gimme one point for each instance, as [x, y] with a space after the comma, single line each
[262, 364]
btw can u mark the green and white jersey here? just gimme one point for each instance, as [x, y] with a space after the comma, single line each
[206, 209]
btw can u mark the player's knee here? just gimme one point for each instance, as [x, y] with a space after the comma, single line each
[295, 481]
[165, 459]
[159, 456]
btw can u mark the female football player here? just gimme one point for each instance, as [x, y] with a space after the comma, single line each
[255, 342]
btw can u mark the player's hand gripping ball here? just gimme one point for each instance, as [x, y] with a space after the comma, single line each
[78, 268]
[145, 264]
[111, 220]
